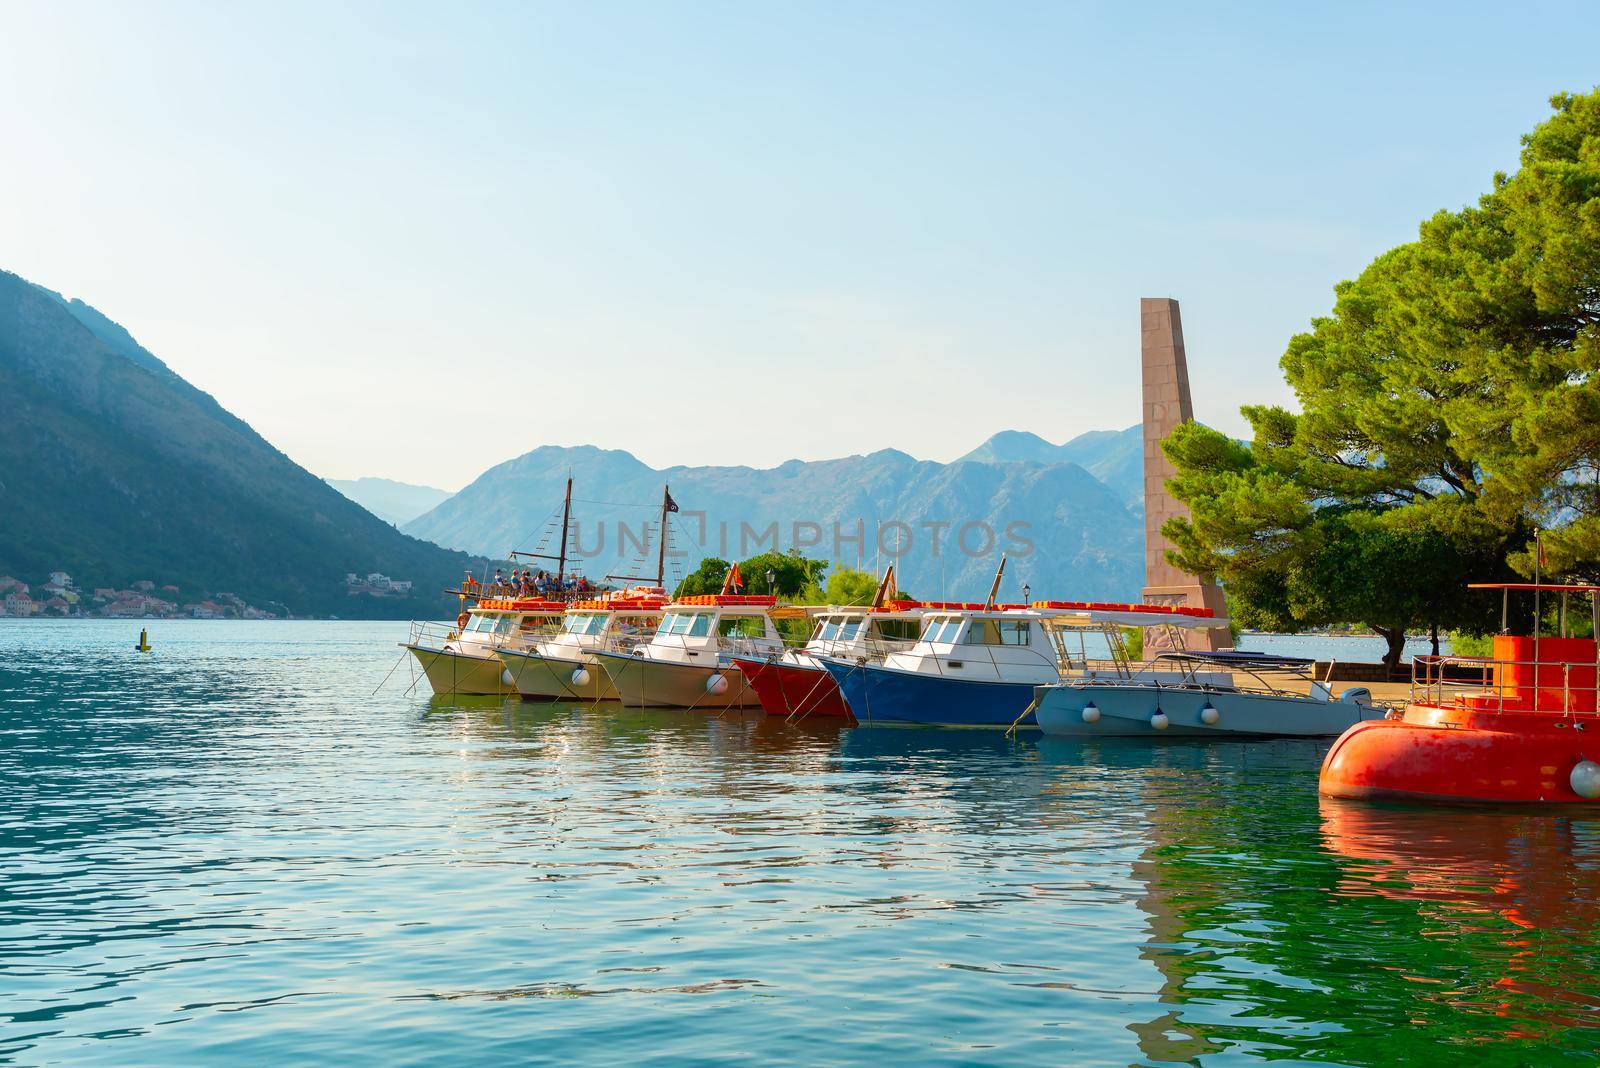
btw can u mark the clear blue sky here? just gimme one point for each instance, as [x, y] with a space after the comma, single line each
[735, 233]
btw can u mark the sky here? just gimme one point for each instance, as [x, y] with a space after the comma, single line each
[414, 241]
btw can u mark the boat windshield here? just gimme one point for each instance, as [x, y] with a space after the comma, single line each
[490, 624]
[942, 629]
[585, 623]
[740, 627]
[849, 627]
[894, 630]
[998, 632]
[686, 624]
[827, 629]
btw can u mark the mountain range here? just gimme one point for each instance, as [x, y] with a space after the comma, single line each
[115, 469]
[1115, 457]
[1066, 532]
[393, 502]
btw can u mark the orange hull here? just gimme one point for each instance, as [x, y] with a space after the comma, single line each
[1463, 755]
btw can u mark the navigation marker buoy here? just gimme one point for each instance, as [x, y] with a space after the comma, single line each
[1585, 779]
[1091, 714]
[580, 676]
[144, 641]
[716, 684]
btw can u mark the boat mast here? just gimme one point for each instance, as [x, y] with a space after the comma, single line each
[661, 549]
[884, 587]
[994, 588]
[566, 514]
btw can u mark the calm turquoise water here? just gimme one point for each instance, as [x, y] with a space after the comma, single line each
[231, 849]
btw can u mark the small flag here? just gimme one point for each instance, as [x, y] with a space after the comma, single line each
[735, 580]
[672, 505]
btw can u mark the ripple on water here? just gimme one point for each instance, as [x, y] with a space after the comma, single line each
[233, 848]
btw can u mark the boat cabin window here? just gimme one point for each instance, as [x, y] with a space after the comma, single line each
[741, 627]
[585, 623]
[849, 627]
[827, 629]
[896, 630]
[998, 632]
[632, 624]
[687, 624]
[490, 624]
[942, 629]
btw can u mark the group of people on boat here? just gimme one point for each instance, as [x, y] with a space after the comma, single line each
[528, 582]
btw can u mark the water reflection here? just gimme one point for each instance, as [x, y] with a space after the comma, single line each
[235, 846]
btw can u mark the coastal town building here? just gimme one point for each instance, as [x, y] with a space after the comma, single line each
[19, 603]
[58, 596]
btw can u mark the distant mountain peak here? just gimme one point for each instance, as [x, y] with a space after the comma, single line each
[394, 502]
[1115, 457]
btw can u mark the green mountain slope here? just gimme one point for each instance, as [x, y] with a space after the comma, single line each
[115, 469]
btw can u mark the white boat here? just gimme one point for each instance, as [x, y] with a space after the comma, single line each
[980, 665]
[507, 617]
[564, 666]
[1213, 695]
[465, 659]
[687, 663]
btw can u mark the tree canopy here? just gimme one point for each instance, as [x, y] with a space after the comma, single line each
[1448, 407]
[791, 573]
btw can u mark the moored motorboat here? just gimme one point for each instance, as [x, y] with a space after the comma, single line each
[1520, 726]
[794, 682]
[687, 663]
[1203, 695]
[465, 659]
[973, 665]
[564, 667]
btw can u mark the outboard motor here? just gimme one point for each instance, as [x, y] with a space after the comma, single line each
[1356, 695]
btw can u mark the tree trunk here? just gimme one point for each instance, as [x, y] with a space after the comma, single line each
[1396, 639]
[1434, 633]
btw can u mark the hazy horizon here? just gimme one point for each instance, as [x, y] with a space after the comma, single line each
[413, 245]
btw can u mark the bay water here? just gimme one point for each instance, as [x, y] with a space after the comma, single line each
[257, 843]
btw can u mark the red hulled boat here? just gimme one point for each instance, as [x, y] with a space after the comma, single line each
[795, 684]
[1521, 726]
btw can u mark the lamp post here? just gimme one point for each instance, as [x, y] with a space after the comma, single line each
[1027, 594]
[771, 578]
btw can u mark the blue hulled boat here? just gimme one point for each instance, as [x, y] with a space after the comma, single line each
[969, 668]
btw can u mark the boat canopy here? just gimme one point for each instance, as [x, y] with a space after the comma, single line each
[1240, 659]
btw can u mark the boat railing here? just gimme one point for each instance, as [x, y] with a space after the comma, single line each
[953, 664]
[431, 635]
[1489, 684]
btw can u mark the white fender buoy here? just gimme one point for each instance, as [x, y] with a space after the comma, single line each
[717, 684]
[1585, 779]
[505, 677]
[1091, 714]
[1209, 714]
[580, 676]
[1159, 721]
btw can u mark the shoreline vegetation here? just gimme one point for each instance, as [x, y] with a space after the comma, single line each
[1446, 431]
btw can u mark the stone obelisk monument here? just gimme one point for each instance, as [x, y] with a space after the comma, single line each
[1166, 404]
